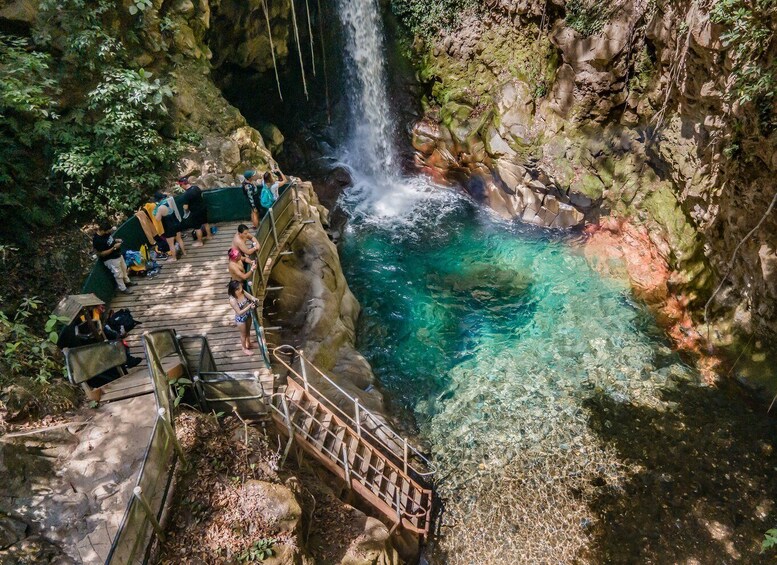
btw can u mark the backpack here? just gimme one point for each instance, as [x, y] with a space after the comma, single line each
[119, 323]
[266, 199]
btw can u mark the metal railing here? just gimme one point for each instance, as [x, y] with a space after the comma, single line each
[143, 514]
[276, 221]
[392, 443]
[361, 473]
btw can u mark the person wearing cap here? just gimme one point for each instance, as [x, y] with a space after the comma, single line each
[253, 193]
[109, 252]
[170, 224]
[195, 212]
[239, 268]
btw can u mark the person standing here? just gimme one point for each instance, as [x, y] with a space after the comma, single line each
[243, 304]
[244, 242]
[195, 212]
[238, 271]
[274, 182]
[172, 227]
[109, 252]
[253, 193]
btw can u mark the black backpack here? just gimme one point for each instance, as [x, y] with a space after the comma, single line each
[119, 323]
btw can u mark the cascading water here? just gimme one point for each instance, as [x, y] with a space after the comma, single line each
[519, 363]
[370, 150]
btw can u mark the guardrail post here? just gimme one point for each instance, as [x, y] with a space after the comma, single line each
[347, 466]
[357, 417]
[399, 511]
[296, 197]
[289, 428]
[304, 371]
[138, 492]
[404, 458]
[272, 225]
[171, 434]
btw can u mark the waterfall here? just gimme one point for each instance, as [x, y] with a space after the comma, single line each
[371, 146]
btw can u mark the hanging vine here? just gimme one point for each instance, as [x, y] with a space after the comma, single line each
[310, 34]
[299, 49]
[272, 48]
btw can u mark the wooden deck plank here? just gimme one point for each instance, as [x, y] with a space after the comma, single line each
[189, 295]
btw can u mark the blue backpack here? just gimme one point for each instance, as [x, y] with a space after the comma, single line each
[266, 199]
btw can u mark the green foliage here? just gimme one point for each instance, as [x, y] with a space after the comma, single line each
[258, 551]
[180, 385]
[139, 6]
[770, 540]
[110, 152]
[80, 29]
[644, 69]
[750, 37]
[23, 354]
[587, 17]
[27, 112]
[427, 17]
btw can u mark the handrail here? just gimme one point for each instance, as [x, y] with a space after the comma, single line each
[358, 410]
[336, 458]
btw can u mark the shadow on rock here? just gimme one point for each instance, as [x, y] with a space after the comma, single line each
[704, 486]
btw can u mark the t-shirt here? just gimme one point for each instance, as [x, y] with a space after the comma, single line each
[274, 189]
[192, 197]
[252, 192]
[104, 243]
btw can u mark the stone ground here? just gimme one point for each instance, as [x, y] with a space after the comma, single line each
[67, 486]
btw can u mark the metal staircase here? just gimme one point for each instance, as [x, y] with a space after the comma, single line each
[362, 450]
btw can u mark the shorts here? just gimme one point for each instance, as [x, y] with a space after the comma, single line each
[171, 228]
[196, 220]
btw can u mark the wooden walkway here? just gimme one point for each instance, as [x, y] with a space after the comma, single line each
[190, 296]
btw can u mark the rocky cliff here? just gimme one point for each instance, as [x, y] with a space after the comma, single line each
[560, 112]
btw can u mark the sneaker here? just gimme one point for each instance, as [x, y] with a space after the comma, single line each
[125, 291]
[162, 257]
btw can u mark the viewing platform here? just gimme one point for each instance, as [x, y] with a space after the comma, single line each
[190, 296]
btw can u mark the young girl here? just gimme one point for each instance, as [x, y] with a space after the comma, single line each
[242, 303]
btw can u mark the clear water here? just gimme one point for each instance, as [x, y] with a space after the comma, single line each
[493, 334]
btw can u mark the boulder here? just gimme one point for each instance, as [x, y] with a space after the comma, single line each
[276, 503]
[19, 11]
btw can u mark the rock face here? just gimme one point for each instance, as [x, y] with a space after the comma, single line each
[318, 312]
[629, 113]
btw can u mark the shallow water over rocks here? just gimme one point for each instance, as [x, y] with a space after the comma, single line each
[561, 422]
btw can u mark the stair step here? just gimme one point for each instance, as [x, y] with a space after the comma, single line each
[365, 455]
[307, 419]
[333, 441]
[378, 480]
[320, 430]
[404, 495]
[352, 446]
[391, 488]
